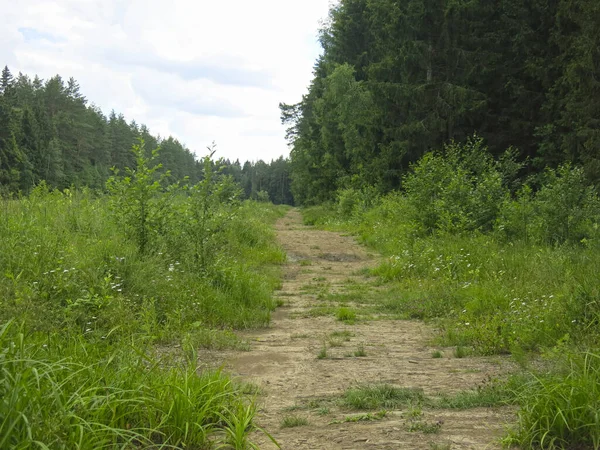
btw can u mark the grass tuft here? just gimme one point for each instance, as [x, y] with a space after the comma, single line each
[379, 396]
[294, 421]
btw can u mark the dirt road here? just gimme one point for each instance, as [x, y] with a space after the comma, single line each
[308, 358]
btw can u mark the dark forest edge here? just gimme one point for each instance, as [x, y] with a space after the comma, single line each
[49, 133]
[399, 79]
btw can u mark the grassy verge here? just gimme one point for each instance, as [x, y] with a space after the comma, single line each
[92, 285]
[501, 269]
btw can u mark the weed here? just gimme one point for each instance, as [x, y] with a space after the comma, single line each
[346, 315]
[293, 421]
[378, 396]
[360, 351]
[323, 352]
[343, 334]
[323, 411]
[438, 446]
[292, 408]
[300, 336]
[436, 354]
[334, 342]
[425, 427]
[460, 352]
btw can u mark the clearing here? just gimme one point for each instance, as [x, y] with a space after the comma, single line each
[308, 358]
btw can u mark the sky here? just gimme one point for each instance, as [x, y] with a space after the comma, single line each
[201, 71]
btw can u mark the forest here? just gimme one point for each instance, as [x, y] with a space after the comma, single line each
[398, 79]
[49, 132]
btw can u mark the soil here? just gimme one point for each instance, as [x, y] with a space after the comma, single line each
[283, 359]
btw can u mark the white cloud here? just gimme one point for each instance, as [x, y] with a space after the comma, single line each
[198, 70]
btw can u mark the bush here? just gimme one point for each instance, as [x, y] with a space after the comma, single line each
[459, 189]
[564, 209]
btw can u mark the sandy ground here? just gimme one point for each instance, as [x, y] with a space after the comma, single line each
[295, 382]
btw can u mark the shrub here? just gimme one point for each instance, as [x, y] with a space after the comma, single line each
[459, 189]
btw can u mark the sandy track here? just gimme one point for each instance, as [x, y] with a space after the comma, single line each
[283, 360]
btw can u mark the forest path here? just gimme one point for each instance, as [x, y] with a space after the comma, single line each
[325, 271]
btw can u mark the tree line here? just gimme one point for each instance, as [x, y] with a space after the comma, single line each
[49, 132]
[399, 78]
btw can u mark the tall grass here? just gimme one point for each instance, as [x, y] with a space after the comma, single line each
[61, 392]
[91, 284]
[562, 410]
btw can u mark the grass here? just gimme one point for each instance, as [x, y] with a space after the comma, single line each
[347, 315]
[294, 421]
[322, 352]
[360, 351]
[436, 354]
[561, 411]
[59, 389]
[94, 324]
[380, 396]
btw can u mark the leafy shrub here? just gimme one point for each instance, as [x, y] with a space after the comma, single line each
[564, 209]
[459, 189]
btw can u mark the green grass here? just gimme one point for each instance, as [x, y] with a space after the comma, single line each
[294, 421]
[347, 315]
[561, 411]
[380, 396]
[61, 390]
[322, 352]
[360, 351]
[492, 292]
[94, 326]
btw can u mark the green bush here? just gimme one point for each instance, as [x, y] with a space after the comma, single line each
[459, 189]
[564, 209]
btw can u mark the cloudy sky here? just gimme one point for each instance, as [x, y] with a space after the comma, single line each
[202, 71]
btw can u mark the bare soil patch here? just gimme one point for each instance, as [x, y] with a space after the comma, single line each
[296, 379]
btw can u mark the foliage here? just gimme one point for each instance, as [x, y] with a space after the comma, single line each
[103, 284]
[379, 396]
[397, 79]
[50, 133]
[61, 391]
[561, 410]
[459, 189]
[500, 274]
